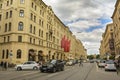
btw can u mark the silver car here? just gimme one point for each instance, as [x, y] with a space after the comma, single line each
[109, 65]
[27, 65]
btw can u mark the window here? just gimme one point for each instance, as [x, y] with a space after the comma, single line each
[9, 26]
[0, 17]
[4, 39]
[31, 28]
[6, 15]
[34, 18]
[0, 6]
[3, 54]
[39, 32]
[34, 30]
[19, 38]
[31, 16]
[0, 28]
[35, 7]
[20, 26]
[39, 22]
[40, 12]
[11, 2]
[10, 14]
[32, 4]
[34, 41]
[39, 42]
[7, 3]
[19, 53]
[30, 40]
[21, 13]
[7, 53]
[42, 34]
[6, 27]
[22, 1]
[8, 38]
[42, 23]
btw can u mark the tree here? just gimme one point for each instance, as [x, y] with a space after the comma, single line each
[97, 56]
[90, 56]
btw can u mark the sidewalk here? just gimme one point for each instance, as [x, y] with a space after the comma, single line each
[8, 69]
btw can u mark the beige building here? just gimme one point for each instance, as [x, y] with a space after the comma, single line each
[102, 50]
[29, 30]
[116, 22]
[107, 43]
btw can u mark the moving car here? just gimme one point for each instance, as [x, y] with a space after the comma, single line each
[101, 63]
[109, 65]
[52, 66]
[27, 65]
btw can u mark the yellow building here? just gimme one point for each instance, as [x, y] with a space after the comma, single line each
[107, 43]
[102, 50]
[29, 30]
[116, 22]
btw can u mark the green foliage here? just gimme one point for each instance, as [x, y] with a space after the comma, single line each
[112, 57]
[98, 56]
[90, 57]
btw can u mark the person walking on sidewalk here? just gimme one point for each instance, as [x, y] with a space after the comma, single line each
[81, 62]
[2, 65]
[5, 65]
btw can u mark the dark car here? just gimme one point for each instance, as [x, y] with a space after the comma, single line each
[52, 66]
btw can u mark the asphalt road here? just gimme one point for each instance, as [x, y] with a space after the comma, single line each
[87, 72]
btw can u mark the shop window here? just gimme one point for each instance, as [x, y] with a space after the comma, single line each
[19, 54]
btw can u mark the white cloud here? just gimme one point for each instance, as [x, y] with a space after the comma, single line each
[80, 15]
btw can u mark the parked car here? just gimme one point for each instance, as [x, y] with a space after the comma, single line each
[101, 63]
[52, 66]
[109, 65]
[27, 65]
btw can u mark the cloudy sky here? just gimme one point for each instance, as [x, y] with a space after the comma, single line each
[89, 17]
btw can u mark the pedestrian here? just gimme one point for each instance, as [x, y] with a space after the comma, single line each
[80, 63]
[2, 65]
[5, 65]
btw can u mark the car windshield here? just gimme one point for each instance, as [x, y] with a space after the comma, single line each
[110, 62]
[53, 61]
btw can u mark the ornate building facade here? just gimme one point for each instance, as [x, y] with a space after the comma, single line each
[29, 30]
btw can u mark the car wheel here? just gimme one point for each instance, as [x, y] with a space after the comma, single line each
[106, 70]
[35, 68]
[19, 68]
[41, 71]
[62, 69]
[54, 70]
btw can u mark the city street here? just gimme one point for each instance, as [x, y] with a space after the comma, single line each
[88, 72]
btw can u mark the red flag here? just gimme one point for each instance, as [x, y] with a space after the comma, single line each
[68, 48]
[63, 42]
[66, 45]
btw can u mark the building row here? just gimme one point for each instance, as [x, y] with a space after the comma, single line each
[31, 31]
[110, 43]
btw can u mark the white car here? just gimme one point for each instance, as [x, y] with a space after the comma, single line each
[28, 65]
[110, 65]
[102, 63]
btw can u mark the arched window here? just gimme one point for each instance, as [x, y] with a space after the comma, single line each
[19, 54]
[20, 26]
